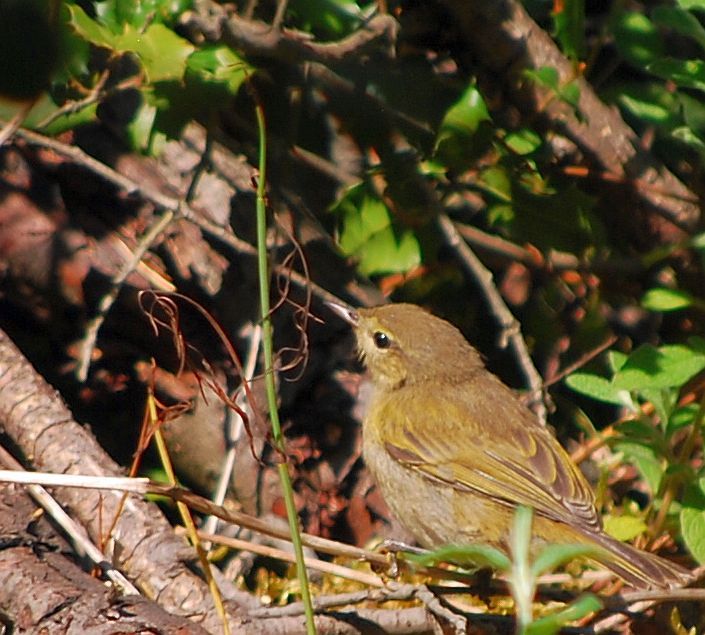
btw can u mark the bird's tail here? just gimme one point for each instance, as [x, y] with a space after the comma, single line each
[640, 569]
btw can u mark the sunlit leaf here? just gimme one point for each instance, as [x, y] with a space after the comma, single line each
[664, 367]
[569, 24]
[645, 460]
[600, 389]
[637, 38]
[692, 520]
[369, 234]
[550, 624]
[464, 555]
[666, 299]
[684, 73]
[624, 527]
[681, 21]
[554, 556]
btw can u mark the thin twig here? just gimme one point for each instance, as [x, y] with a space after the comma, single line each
[234, 429]
[106, 302]
[82, 545]
[286, 556]
[176, 205]
[510, 328]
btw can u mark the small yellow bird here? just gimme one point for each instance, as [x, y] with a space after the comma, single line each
[454, 451]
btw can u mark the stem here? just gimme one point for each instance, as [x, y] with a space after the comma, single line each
[277, 437]
[185, 514]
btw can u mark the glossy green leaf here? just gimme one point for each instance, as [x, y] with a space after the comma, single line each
[369, 234]
[116, 13]
[691, 5]
[650, 102]
[637, 38]
[683, 73]
[569, 25]
[524, 141]
[461, 135]
[219, 64]
[163, 54]
[666, 299]
[681, 21]
[326, 18]
[546, 76]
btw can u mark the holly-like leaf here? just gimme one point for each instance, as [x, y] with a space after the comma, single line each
[162, 53]
[369, 234]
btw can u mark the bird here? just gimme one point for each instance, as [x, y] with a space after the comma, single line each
[454, 451]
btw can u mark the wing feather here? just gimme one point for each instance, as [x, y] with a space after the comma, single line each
[484, 440]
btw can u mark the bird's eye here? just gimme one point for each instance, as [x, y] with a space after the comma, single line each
[381, 340]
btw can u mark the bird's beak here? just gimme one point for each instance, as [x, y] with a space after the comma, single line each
[347, 313]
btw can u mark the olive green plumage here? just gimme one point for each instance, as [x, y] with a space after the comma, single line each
[455, 452]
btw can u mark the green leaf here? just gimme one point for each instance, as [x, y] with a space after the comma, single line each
[681, 21]
[458, 142]
[556, 555]
[600, 389]
[546, 76]
[523, 142]
[616, 359]
[624, 527]
[163, 54]
[326, 18]
[664, 367]
[683, 73]
[220, 65]
[464, 555]
[638, 40]
[569, 24]
[666, 299]
[682, 417]
[692, 520]
[645, 460]
[651, 102]
[694, 5]
[550, 624]
[369, 234]
[92, 31]
[116, 13]
[687, 136]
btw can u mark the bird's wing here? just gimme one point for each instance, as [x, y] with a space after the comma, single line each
[509, 457]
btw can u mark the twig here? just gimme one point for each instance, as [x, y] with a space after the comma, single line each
[107, 301]
[286, 556]
[234, 429]
[173, 204]
[82, 545]
[510, 328]
[269, 379]
[13, 125]
[259, 39]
